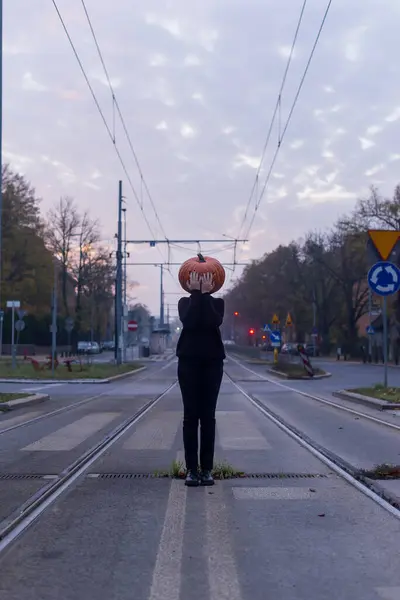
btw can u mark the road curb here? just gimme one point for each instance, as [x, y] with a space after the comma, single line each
[302, 378]
[83, 381]
[22, 402]
[360, 399]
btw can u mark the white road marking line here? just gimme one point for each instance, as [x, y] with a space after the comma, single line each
[157, 434]
[236, 431]
[166, 582]
[48, 386]
[222, 571]
[72, 435]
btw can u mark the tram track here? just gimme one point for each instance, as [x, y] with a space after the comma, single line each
[70, 407]
[342, 468]
[352, 411]
[27, 513]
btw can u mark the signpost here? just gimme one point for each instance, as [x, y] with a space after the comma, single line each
[384, 280]
[275, 337]
[289, 321]
[132, 325]
[370, 330]
[13, 304]
[275, 319]
[1, 331]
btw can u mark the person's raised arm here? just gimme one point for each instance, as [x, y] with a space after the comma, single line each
[213, 310]
[189, 310]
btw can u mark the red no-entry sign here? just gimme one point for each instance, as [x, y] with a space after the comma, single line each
[132, 325]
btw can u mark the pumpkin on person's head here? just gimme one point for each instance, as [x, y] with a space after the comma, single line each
[202, 265]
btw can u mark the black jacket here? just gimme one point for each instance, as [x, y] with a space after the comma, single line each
[201, 317]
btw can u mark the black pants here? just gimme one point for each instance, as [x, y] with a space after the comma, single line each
[200, 382]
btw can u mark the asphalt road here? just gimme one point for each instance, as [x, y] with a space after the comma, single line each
[306, 534]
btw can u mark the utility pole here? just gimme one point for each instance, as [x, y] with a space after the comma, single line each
[370, 324]
[314, 323]
[1, 167]
[54, 321]
[161, 296]
[124, 333]
[118, 281]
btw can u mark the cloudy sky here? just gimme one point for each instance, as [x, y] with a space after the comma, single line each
[197, 82]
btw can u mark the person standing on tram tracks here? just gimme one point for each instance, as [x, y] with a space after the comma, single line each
[201, 355]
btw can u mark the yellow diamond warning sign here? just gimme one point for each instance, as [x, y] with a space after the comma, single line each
[275, 319]
[384, 241]
[289, 321]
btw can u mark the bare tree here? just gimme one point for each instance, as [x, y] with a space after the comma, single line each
[63, 223]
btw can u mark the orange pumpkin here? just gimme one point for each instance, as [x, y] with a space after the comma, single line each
[202, 265]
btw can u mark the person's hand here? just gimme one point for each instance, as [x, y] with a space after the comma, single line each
[207, 283]
[194, 282]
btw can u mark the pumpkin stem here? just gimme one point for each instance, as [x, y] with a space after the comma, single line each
[201, 258]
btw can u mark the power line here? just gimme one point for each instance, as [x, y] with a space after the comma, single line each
[116, 105]
[258, 202]
[111, 136]
[276, 110]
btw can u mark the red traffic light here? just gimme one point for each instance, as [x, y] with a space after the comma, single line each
[236, 313]
[251, 331]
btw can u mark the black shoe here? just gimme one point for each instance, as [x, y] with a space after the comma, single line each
[192, 479]
[206, 478]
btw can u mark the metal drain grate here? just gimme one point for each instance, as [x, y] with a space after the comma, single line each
[16, 476]
[241, 476]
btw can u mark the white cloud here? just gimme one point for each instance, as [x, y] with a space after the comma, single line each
[31, 85]
[366, 144]
[187, 131]
[228, 130]
[394, 115]
[198, 96]
[374, 170]
[374, 129]
[191, 60]
[242, 160]
[162, 126]
[158, 60]
[297, 144]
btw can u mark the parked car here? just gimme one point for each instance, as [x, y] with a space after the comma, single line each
[88, 348]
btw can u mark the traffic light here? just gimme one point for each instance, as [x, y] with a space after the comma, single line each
[236, 314]
[251, 331]
[264, 337]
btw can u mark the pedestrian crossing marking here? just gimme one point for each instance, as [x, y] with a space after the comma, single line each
[236, 431]
[159, 433]
[6, 423]
[72, 435]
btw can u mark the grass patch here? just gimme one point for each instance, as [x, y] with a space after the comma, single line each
[384, 471]
[9, 397]
[390, 394]
[25, 370]
[221, 470]
[294, 370]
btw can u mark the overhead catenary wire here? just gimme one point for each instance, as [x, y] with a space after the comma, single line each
[119, 111]
[279, 145]
[110, 133]
[277, 111]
